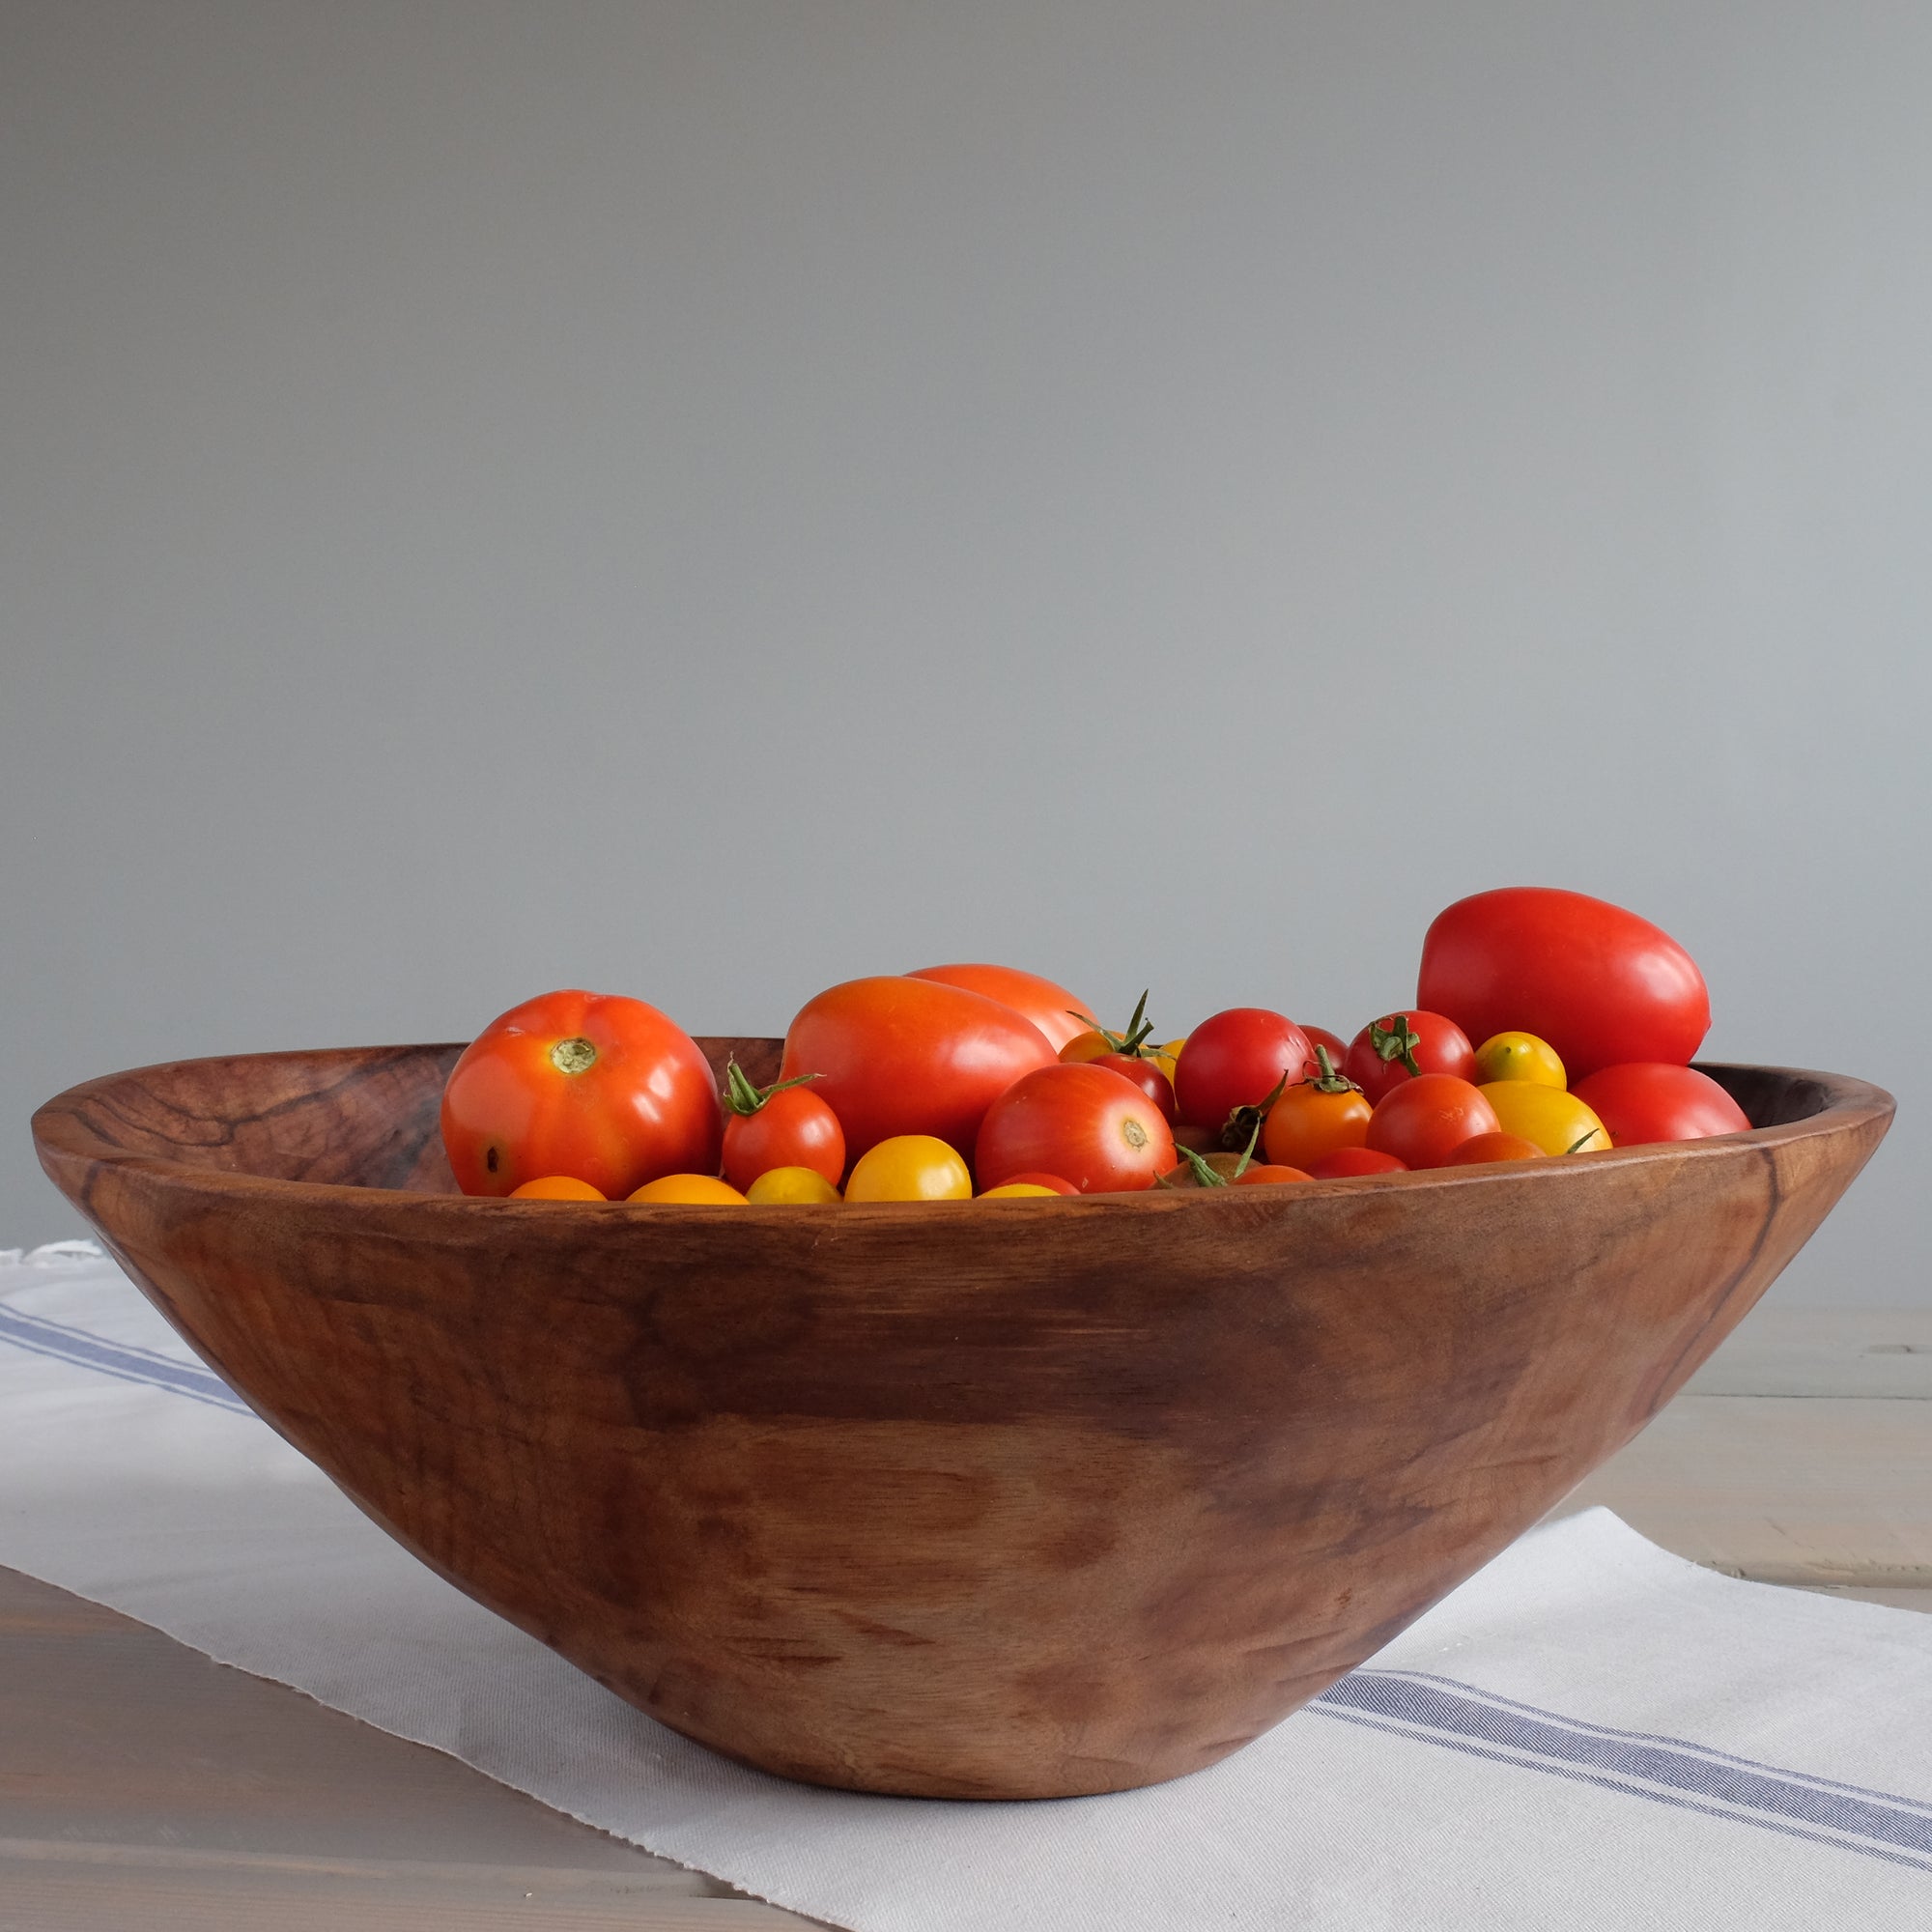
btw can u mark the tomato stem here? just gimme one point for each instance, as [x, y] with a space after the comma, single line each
[1133, 1041]
[745, 1099]
[1328, 1081]
[1244, 1124]
[1394, 1038]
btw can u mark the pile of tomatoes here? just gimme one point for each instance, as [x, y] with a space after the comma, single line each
[1546, 1024]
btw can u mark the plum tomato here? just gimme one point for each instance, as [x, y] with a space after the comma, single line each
[1644, 1101]
[1144, 1075]
[782, 1125]
[689, 1190]
[1084, 1122]
[1315, 1117]
[1346, 1163]
[1053, 1182]
[1519, 1055]
[1429, 1116]
[1484, 1147]
[1600, 984]
[556, 1187]
[1236, 1060]
[790, 1187]
[1399, 1047]
[910, 1167]
[1052, 1009]
[896, 1055]
[593, 1085]
[1558, 1122]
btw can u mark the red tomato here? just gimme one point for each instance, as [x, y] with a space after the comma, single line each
[1378, 1059]
[1338, 1047]
[1650, 1100]
[904, 1056]
[778, 1126]
[1482, 1148]
[1038, 1180]
[1599, 984]
[1346, 1162]
[1263, 1171]
[1144, 1075]
[1236, 1060]
[591, 1084]
[1426, 1119]
[1084, 1122]
[1052, 1009]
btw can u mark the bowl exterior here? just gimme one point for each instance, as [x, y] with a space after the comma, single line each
[982, 1501]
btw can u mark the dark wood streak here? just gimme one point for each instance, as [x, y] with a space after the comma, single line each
[1001, 1499]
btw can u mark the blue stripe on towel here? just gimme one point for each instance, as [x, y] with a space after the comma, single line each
[55, 1339]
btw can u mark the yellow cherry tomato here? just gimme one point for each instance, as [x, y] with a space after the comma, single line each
[1164, 1057]
[1085, 1046]
[910, 1167]
[557, 1187]
[1519, 1056]
[1014, 1189]
[790, 1187]
[1558, 1122]
[699, 1190]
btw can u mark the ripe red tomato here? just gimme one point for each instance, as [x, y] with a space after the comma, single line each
[1650, 1100]
[896, 1055]
[1345, 1163]
[1482, 1148]
[1379, 1058]
[1236, 1060]
[785, 1126]
[1081, 1121]
[1338, 1047]
[1426, 1119]
[1600, 984]
[1144, 1075]
[1052, 1009]
[595, 1086]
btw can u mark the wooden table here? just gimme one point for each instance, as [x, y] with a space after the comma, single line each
[143, 1786]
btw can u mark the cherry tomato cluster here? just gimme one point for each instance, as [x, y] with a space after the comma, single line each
[957, 1080]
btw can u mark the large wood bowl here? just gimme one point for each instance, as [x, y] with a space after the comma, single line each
[1002, 1499]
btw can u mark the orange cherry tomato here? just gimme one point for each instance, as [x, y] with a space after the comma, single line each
[790, 1187]
[1482, 1148]
[910, 1167]
[1349, 1164]
[896, 1056]
[1429, 1116]
[691, 1191]
[1052, 1009]
[556, 1187]
[1315, 1117]
[782, 1125]
[1263, 1172]
[1018, 1190]
[592, 1085]
[1052, 1181]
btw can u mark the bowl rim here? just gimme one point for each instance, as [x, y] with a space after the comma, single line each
[58, 1129]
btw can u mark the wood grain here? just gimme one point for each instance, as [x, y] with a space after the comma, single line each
[999, 1499]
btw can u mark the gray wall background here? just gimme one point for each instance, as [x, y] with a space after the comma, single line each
[705, 500]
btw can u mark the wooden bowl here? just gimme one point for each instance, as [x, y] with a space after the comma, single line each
[999, 1499]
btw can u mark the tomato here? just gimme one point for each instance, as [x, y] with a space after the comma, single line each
[1144, 1075]
[1164, 1057]
[1485, 1148]
[1096, 1042]
[790, 1187]
[1599, 984]
[1263, 1172]
[1320, 1036]
[1034, 1179]
[783, 1125]
[1052, 1009]
[1643, 1101]
[1399, 1047]
[1236, 1060]
[903, 1055]
[1346, 1163]
[1519, 1056]
[556, 1187]
[1315, 1117]
[1020, 1190]
[1084, 1122]
[1558, 1122]
[597, 1086]
[1429, 1116]
[910, 1167]
[689, 1190]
